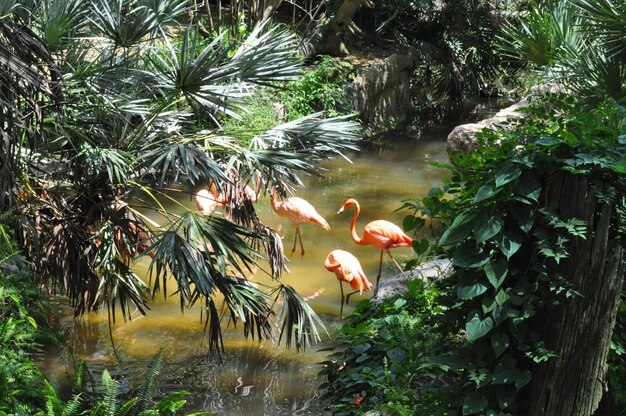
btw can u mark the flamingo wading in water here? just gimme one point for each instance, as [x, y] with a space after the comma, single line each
[380, 233]
[347, 269]
[298, 211]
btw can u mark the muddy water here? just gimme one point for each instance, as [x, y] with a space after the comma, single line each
[262, 378]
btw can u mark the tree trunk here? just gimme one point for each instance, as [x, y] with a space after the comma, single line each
[579, 329]
[330, 42]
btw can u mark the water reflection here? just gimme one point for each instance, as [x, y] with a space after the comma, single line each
[262, 378]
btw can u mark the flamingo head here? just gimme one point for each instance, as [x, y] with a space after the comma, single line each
[348, 203]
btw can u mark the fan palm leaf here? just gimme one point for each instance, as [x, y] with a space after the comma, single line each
[609, 24]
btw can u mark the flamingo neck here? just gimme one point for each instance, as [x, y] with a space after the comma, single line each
[353, 233]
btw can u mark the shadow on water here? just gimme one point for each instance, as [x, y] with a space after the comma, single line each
[261, 378]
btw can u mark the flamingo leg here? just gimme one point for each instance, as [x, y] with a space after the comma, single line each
[380, 266]
[301, 245]
[342, 300]
[394, 260]
[295, 240]
[350, 294]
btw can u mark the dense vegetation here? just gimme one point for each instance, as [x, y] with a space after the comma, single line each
[106, 104]
[480, 341]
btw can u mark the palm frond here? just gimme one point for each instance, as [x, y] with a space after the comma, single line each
[300, 323]
[247, 303]
[124, 22]
[267, 56]
[166, 11]
[57, 20]
[605, 20]
[117, 164]
[187, 264]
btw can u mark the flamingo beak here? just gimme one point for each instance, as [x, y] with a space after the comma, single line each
[340, 210]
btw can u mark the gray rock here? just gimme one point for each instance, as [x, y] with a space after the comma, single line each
[381, 92]
[431, 270]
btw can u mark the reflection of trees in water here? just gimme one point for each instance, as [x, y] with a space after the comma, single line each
[253, 380]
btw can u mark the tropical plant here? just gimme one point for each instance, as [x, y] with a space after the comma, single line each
[578, 44]
[104, 398]
[101, 125]
[454, 40]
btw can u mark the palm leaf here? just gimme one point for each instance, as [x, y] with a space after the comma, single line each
[608, 23]
[299, 322]
[124, 22]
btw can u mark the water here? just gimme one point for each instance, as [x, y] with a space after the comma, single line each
[261, 378]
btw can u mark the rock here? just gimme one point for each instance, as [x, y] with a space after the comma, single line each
[381, 93]
[463, 137]
[433, 269]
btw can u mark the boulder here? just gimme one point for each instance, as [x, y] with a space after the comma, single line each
[381, 93]
[463, 137]
[433, 269]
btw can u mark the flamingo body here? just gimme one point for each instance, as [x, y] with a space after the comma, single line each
[298, 211]
[207, 201]
[347, 269]
[381, 234]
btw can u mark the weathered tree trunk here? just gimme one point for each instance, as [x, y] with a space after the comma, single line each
[330, 42]
[579, 330]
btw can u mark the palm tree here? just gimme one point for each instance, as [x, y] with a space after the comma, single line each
[578, 44]
[111, 102]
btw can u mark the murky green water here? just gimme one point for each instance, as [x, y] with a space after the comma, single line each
[255, 378]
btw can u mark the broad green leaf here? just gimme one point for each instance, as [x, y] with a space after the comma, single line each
[486, 226]
[469, 256]
[477, 328]
[508, 173]
[509, 242]
[499, 343]
[411, 222]
[396, 355]
[496, 272]
[474, 403]
[488, 304]
[529, 186]
[485, 192]
[525, 216]
[506, 395]
[470, 288]
[459, 230]
[420, 246]
[361, 348]
[502, 297]
[523, 379]
[505, 375]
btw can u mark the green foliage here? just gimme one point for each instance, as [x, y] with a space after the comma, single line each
[502, 221]
[122, 109]
[578, 44]
[21, 381]
[479, 342]
[454, 38]
[384, 356]
[320, 89]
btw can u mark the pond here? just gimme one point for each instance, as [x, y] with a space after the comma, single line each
[263, 378]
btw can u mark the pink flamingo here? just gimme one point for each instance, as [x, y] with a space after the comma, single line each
[206, 200]
[298, 211]
[347, 269]
[380, 233]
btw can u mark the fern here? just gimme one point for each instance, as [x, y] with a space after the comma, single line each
[146, 392]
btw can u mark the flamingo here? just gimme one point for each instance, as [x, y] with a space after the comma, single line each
[347, 269]
[298, 211]
[380, 233]
[206, 200]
